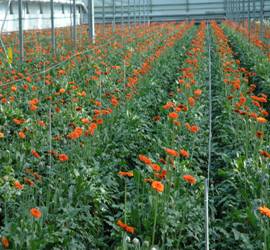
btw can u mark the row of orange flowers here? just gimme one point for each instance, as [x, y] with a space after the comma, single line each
[243, 101]
[253, 35]
[161, 168]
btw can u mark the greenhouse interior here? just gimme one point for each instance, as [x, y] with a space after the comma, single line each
[134, 124]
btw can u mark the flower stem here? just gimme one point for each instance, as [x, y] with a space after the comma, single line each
[155, 221]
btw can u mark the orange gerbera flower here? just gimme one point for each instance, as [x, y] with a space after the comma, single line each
[76, 133]
[21, 135]
[191, 101]
[168, 105]
[35, 153]
[158, 186]
[261, 120]
[18, 121]
[18, 185]
[34, 101]
[36, 213]
[197, 92]
[171, 152]
[259, 99]
[184, 153]
[62, 91]
[124, 226]
[190, 179]
[173, 115]
[114, 102]
[85, 120]
[155, 167]
[130, 230]
[93, 126]
[63, 157]
[145, 159]
[127, 174]
[5, 242]
[265, 211]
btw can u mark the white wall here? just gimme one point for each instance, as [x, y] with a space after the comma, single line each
[35, 19]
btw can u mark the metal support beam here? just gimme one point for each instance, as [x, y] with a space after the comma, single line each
[103, 15]
[135, 12]
[91, 20]
[249, 20]
[243, 11]
[122, 15]
[74, 33]
[113, 24]
[261, 19]
[128, 14]
[140, 17]
[20, 31]
[52, 27]
[144, 12]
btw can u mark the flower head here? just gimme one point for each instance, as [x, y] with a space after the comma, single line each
[184, 153]
[128, 174]
[124, 226]
[261, 120]
[36, 213]
[145, 159]
[63, 157]
[173, 115]
[265, 211]
[35, 153]
[158, 186]
[171, 152]
[5, 242]
[18, 185]
[190, 179]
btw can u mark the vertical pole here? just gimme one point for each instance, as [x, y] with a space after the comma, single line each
[254, 13]
[249, 20]
[20, 31]
[52, 27]
[74, 24]
[239, 12]
[243, 11]
[140, 17]
[230, 9]
[122, 16]
[91, 20]
[134, 12]
[209, 143]
[149, 12]
[129, 14]
[206, 201]
[113, 27]
[261, 19]
[232, 12]
[144, 12]
[103, 15]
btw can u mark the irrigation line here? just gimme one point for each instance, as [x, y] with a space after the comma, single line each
[209, 143]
